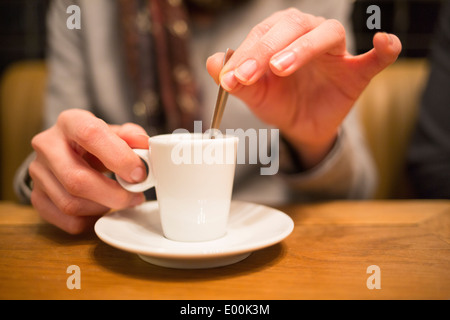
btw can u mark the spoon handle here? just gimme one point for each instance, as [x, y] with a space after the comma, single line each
[221, 99]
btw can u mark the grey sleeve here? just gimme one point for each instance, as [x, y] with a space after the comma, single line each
[348, 171]
[22, 182]
[68, 83]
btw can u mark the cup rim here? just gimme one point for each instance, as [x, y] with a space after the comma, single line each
[205, 137]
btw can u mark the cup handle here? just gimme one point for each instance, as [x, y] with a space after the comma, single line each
[148, 183]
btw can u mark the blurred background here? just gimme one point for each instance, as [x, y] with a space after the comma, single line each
[22, 51]
[22, 26]
[413, 21]
[22, 30]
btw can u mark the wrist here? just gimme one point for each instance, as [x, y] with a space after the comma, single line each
[310, 154]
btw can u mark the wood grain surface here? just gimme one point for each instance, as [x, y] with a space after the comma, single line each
[325, 257]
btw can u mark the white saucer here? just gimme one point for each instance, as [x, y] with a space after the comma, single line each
[138, 230]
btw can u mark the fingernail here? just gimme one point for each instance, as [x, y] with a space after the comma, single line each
[138, 174]
[229, 81]
[283, 60]
[246, 70]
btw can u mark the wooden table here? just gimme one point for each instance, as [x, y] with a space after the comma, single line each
[326, 257]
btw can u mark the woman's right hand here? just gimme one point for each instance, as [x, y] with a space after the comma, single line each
[70, 189]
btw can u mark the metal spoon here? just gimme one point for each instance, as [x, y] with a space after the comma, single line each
[222, 96]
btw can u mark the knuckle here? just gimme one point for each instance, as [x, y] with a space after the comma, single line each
[292, 11]
[38, 141]
[65, 116]
[299, 19]
[307, 45]
[38, 200]
[32, 170]
[35, 141]
[70, 114]
[62, 117]
[74, 181]
[130, 127]
[88, 132]
[73, 225]
[35, 200]
[69, 206]
[337, 28]
[260, 29]
[267, 47]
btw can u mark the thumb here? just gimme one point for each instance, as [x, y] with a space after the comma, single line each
[386, 49]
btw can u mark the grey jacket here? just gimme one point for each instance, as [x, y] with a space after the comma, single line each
[86, 71]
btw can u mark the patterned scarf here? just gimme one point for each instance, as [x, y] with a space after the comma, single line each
[156, 36]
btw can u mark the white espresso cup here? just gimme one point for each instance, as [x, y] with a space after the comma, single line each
[193, 176]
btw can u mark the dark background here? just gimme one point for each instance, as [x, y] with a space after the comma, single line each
[413, 21]
[22, 30]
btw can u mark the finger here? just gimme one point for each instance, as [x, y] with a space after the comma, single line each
[81, 181]
[252, 38]
[228, 81]
[250, 61]
[49, 212]
[96, 137]
[226, 74]
[66, 203]
[134, 135]
[387, 48]
[328, 37]
[214, 65]
[77, 177]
